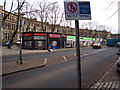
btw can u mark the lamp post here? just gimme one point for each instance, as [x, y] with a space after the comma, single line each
[1, 36]
[20, 43]
[21, 25]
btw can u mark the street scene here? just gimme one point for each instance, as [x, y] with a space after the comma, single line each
[59, 44]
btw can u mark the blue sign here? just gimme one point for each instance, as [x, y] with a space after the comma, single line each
[77, 10]
[84, 7]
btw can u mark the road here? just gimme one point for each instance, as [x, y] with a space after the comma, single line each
[33, 56]
[64, 74]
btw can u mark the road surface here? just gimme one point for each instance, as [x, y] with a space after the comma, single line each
[33, 56]
[64, 74]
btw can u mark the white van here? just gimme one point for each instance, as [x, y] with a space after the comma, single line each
[18, 42]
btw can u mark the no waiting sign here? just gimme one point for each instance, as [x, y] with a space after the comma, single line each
[72, 7]
[77, 10]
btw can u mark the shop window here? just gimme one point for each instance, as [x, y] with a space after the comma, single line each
[40, 44]
[28, 44]
[8, 25]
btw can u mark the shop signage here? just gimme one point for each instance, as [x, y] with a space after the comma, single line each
[39, 34]
[27, 38]
[63, 35]
[54, 35]
[27, 34]
[40, 38]
[71, 37]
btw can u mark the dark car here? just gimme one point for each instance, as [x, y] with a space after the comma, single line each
[97, 44]
[118, 65]
[5, 43]
[118, 62]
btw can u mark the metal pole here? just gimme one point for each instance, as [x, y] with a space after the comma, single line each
[78, 53]
[0, 29]
[20, 50]
[20, 42]
[119, 24]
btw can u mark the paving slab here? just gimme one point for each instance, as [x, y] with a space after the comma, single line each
[12, 67]
[109, 81]
[106, 85]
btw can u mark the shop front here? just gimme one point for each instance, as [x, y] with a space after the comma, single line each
[86, 41]
[71, 41]
[53, 41]
[34, 40]
[63, 40]
[43, 40]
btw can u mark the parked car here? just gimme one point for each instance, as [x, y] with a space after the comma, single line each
[118, 62]
[6, 43]
[97, 44]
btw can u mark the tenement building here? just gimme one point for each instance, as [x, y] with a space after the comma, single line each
[32, 25]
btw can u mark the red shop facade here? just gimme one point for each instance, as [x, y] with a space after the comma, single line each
[43, 40]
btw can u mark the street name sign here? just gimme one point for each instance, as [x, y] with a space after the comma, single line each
[77, 10]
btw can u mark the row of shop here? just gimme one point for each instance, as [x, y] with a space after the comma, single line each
[46, 40]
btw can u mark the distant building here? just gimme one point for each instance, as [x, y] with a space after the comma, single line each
[115, 36]
[32, 25]
[95, 33]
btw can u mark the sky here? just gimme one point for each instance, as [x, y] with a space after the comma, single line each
[101, 11]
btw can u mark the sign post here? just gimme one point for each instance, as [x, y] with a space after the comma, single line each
[77, 11]
[78, 53]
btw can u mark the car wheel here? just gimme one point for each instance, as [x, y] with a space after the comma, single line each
[118, 71]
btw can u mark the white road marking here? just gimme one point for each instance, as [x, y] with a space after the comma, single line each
[64, 58]
[95, 52]
[45, 61]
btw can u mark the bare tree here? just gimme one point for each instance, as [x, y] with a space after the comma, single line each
[53, 15]
[65, 23]
[20, 5]
[42, 13]
[30, 12]
[56, 15]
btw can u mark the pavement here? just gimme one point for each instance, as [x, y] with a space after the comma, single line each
[14, 67]
[110, 80]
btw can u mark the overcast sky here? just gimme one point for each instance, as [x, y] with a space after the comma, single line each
[99, 11]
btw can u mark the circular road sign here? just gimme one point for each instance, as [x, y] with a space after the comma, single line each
[72, 7]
